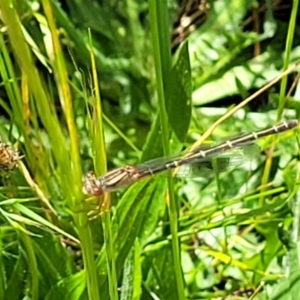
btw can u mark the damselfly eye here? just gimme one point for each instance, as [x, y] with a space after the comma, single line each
[90, 185]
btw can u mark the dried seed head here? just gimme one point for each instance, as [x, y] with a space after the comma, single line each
[8, 158]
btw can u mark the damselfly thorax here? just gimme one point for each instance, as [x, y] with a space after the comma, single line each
[121, 177]
[205, 158]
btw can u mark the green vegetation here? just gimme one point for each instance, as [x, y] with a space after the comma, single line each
[92, 85]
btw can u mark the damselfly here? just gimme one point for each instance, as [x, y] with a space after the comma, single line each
[125, 176]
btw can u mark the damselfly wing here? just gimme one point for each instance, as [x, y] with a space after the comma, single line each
[220, 162]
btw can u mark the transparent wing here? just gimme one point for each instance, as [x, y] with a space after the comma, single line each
[220, 162]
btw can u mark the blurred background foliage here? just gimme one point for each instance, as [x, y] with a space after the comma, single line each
[237, 231]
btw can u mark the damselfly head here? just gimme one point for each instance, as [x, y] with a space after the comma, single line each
[8, 158]
[91, 185]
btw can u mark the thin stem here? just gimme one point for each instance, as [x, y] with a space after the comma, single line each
[110, 254]
[85, 234]
[162, 57]
[283, 85]
[98, 142]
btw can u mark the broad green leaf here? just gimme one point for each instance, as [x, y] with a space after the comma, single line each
[160, 275]
[132, 279]
[178, 94]
[129, 221]
[287, 289]
[16, 283]
[153, 146]
[54, 259]
[73, 287]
